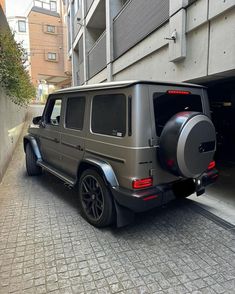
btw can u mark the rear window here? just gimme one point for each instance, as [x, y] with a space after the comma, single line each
[109, 115]
[167, 105]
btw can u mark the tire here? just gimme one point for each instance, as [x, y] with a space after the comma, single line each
[95, 200]
[187, 144]
[31, 162]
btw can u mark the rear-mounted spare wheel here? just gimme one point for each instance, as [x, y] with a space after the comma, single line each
[187, 144]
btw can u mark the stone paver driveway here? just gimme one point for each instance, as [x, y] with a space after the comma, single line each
[46, 246]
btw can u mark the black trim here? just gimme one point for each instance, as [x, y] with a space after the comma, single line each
[134, 199]
[129, 116]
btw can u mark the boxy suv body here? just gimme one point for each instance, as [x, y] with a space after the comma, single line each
[129, 146]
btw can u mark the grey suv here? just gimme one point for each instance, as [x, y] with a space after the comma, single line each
[128, 146]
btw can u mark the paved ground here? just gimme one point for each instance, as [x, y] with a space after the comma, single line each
[219, 198]
[46, 246]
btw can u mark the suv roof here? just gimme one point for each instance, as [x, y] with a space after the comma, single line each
[124, 84]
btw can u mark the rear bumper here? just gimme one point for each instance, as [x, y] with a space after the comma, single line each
[142, 200]
[210, 177]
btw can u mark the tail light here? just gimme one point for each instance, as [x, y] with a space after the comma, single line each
[211, 165]
[142, 183]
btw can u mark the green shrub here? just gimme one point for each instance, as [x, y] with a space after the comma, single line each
[13, 76]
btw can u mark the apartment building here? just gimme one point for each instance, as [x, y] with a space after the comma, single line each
[43, 34]
[47, 35]
[176, 40]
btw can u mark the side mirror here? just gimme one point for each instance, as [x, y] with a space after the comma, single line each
[37, 120]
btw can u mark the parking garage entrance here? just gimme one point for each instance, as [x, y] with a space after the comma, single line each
[222, 102]
[219, 198]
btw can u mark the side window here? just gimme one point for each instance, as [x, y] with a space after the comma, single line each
[75, 113]
[53, 112]
[109, 115]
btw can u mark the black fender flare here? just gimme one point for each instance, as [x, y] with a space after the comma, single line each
[123, 214]
[29, 139]
[103, 166]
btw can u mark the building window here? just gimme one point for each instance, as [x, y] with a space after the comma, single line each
[109, 115]
[53, 6]
[22, 26]
[51, 56]
[51, 29]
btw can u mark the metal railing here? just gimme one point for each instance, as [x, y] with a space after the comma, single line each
[88, 5]
[137, 20]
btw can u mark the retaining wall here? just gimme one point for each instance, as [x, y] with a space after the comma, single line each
[12, 118]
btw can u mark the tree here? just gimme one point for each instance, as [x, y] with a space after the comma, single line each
[13, 76]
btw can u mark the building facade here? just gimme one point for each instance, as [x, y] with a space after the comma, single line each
[43, 34]
[47, 35]
[173, 40]
[179, 40]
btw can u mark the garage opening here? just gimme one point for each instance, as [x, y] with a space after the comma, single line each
[222, 102]
[220, 197]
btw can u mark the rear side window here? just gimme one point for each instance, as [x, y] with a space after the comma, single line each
[166, 105]
[109, 115]
[75, 113]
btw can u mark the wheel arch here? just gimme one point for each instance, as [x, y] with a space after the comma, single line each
[28, 139]
[104, 168]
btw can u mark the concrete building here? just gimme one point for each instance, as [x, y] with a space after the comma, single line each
[174, 40]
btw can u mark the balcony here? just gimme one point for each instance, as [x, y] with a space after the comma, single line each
[137, 20]
[88, 5]
[80, 74]
[77, 23]
[97, 56]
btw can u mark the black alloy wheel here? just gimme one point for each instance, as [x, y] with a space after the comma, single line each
[95, 200]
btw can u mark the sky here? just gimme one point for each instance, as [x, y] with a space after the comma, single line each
[17, 7]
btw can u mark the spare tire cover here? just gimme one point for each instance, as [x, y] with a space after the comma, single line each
[187, 144]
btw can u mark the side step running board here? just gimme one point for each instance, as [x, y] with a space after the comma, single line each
[70, 181]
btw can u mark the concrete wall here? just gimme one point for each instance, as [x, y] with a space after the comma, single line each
[203, 49]
[12, 119]
[207, 51]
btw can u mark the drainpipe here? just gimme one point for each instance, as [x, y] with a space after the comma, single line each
[109, 40]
